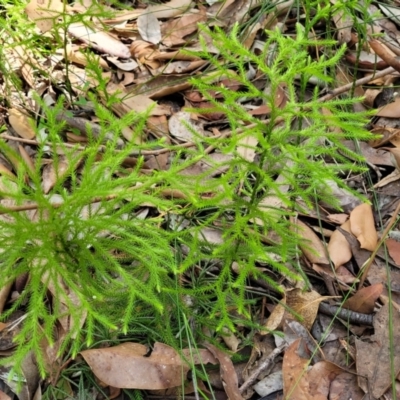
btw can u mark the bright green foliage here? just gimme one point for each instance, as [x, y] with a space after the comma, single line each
[90, 255]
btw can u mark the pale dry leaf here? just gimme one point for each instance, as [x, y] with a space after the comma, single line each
[362, 226]
[98, 39]
[271, 384]
[149, 28]
[312, 246]
[21, 123]
[392, 177]
[168, 10]
[163, 369]
[183, 127]
[229, 338]
[44, 13]
[339, 249]
[275, 318]
[247, 148]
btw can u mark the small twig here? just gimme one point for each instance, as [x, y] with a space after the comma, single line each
[263, 365]
[382, 51]
[345, 314]
[371, 259]
[362, 81]
[101, 147]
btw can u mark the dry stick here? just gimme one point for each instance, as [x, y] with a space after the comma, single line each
[382, 51]
[101, 147]
[263, 365]
[362, 81]
[371, 259]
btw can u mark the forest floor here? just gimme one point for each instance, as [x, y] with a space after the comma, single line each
[333, 334]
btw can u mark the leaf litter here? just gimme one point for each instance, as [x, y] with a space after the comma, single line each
[141, 49]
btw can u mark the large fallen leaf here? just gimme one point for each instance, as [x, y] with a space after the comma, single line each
[362, 226]
[379, 358]
[299, 383]
[364, 300]
[127, 366]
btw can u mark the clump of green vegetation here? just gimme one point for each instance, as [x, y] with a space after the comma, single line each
[93, 259]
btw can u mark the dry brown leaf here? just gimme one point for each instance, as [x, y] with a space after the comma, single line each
[21, 123]
[377, 357]
[339, 249]
[364, 300]
[163, 369]
[228, 374]
[174, 31]
[362, 226]
[305, 304]
[299, 383]
[294, 369]
[391, 110]
[393, 247]
[312, 247]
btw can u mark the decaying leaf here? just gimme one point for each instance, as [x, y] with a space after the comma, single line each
[364, 300]
[162, 369]
[301, 383]
[21, 123]
[374, 359]
[305, 304]
[228, 373]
